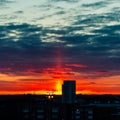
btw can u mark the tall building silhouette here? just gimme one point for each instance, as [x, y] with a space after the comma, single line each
[69, 91]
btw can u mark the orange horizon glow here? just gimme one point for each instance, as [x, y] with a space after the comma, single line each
[84, 92]
[56, 88]
[50, 80]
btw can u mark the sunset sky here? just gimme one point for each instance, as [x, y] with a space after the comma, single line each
[43, 42]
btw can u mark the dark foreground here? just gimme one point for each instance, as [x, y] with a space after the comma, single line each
[42, 107]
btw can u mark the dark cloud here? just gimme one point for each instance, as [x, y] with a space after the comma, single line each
[96, 4]
[99, 51]
[109, 30]
[19, 12]
[89, 41]
[95, 55]
[28, 51]
[3, 3]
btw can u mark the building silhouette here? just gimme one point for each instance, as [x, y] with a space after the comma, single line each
[69, 91]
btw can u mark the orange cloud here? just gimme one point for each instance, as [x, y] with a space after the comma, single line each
[76, 65]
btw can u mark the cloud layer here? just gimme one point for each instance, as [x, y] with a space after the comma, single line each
[64, 37]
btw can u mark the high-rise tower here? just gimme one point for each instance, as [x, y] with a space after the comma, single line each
[69, 91]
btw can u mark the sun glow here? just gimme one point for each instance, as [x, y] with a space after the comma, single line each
[58, 86]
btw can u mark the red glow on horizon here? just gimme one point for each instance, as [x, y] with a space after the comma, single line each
[37, 86]
[50, 80]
